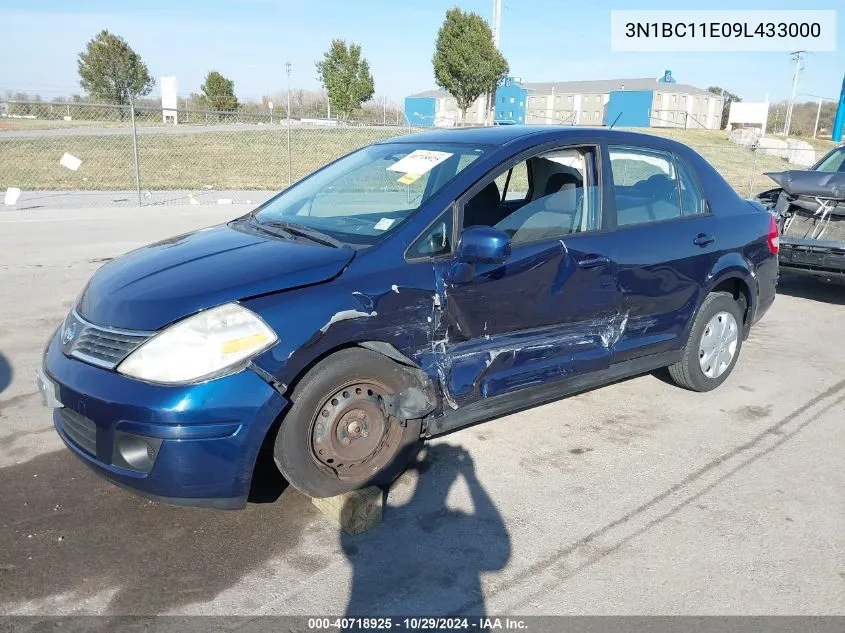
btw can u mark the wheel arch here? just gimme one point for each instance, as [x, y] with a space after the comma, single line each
[732, 273]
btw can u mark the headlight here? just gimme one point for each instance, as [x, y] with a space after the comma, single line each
[200, 346]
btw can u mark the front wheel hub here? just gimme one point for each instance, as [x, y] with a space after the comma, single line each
[352, 433]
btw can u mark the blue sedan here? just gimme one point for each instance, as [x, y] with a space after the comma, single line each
[406, 290]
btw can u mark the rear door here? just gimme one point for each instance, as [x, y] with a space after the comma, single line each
[550, 311]
[666, 244]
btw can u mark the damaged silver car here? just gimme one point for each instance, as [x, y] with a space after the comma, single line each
[810, 209]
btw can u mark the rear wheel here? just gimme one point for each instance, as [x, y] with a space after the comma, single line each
[337, 435]
[713, 345]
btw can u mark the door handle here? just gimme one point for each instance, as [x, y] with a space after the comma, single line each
[593, 261]
[703, 240]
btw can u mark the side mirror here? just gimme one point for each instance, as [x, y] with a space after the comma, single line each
[483, 245]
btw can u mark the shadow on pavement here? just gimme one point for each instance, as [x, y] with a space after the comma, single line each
[427, 558]
[5, 372]
[804, 287]
[65, 531]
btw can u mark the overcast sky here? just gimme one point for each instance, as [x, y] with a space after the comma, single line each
[249, 41]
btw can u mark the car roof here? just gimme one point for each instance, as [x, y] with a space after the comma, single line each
[501, 134]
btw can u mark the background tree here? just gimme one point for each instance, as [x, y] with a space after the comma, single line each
[218, 93]
[803, 118]
[345, 74]
[110, 70]
[726, 107]
[466, 62]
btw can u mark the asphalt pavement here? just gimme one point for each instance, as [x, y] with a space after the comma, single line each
[636, 498]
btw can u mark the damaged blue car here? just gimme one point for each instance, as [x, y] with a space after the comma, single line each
[408, 289]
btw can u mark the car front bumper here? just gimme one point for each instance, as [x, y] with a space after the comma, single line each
[187, 445]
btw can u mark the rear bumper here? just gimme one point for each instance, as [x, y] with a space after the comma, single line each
[817, 258]
[186, 445]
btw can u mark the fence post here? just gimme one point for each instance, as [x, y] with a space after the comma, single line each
[753, 172]
[135, 150]
[289, 157]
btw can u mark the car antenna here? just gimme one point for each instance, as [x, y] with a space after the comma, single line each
[614, 121]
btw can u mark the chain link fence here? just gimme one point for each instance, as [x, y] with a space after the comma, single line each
[77, 154]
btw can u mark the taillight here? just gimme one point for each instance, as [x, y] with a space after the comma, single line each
[773, 238]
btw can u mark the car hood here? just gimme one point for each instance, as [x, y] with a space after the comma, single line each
[811, 183]
[160, 283]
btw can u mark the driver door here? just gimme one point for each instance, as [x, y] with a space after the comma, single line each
[550, 310]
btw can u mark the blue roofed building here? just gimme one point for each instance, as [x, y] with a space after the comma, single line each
[639, 102]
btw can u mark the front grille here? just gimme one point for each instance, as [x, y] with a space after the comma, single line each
[96, 344]
[105, 347]
[80, 429]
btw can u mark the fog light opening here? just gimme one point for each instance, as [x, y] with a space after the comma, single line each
[136, 452]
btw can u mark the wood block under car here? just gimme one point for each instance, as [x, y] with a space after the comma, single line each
[355, 511]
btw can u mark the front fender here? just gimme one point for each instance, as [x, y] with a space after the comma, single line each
[395, 310]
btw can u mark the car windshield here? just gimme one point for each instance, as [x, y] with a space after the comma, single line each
[833, 163]
[365, 196]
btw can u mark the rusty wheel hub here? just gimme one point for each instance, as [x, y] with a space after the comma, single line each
[352, 434]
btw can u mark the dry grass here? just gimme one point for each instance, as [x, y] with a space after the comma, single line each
[222, 160]
[257, 159]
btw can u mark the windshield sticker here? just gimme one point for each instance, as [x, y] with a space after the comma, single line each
[384, 224]
[407, 179]
[419, 161]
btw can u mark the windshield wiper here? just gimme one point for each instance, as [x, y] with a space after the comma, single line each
[262, 226]
[304, 231]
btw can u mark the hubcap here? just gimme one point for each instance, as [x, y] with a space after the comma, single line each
[352, 433]
[718, 344]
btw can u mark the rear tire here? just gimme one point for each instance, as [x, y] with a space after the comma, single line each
[336, 438]
[713, 346]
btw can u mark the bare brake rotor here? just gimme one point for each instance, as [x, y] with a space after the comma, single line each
[352, 433]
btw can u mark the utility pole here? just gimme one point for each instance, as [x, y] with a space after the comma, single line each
[818, 114]
[490, 97]
[287, 72]
[797, 57]
[497, 22]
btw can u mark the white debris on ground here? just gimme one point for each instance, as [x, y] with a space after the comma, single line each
[70, 161]
[12, 195]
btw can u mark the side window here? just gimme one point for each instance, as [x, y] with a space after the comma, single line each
[513, 184]
[645, 185]
[437, 239]
[692, 200]
[562, 197]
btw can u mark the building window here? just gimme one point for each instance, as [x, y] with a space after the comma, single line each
[510, 114]
[674, 98]
[520, 104]
[503, 100]
[569, 99]
[520, 118]
[596, 114]
[512, 99]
